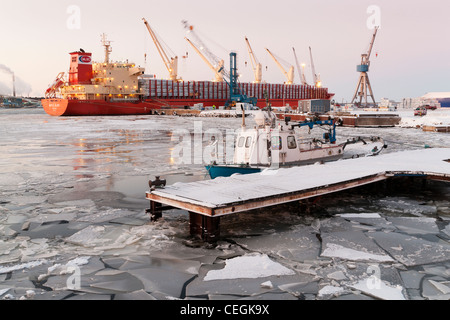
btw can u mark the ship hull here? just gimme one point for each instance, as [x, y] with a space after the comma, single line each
[228, 170]
[65, 107]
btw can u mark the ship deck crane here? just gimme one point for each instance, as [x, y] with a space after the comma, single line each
[218, 70]
[363, 82]
[257, 67]
[214, 62]
[316, 76]
[289, 74]
[170, 63]
[300, 69]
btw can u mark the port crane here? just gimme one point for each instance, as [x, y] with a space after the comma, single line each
[363, 82]
[316, 77]
[170, 63]
[301, 68]
[237, 94]
[289, 74]
[218, 69]
[257, 67]
[214, 63]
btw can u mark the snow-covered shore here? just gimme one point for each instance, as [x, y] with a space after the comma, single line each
[438, 117]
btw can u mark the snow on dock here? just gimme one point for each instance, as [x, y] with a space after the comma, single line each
[239, 193]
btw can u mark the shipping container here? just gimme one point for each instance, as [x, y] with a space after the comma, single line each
[216, 93]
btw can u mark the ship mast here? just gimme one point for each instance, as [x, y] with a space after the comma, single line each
[107, 45]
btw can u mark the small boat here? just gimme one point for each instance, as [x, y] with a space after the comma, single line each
[269, 145]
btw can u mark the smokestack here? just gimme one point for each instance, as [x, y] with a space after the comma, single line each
[14, 85]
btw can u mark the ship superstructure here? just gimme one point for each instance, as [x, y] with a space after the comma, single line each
[102, 81]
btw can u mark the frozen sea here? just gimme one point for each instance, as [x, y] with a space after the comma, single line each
[73, 222]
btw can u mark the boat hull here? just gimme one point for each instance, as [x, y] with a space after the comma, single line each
[65, 107]
[226, 171]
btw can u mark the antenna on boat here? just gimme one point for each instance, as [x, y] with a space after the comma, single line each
[243, 116]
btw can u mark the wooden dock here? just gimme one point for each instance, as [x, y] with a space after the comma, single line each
[208, 200]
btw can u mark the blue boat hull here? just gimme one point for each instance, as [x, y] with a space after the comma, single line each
[226, 171]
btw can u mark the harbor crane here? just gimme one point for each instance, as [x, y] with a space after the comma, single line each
[218, 69]
[214, 62]
[257, 67]
[289, 74]
[316, 77]
[170, 63]
[363, 82]
[300, 68]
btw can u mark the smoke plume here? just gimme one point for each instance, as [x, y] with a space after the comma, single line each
[5, 69]
[22, 87]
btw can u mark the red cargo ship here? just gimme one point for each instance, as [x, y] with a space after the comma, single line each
[121, 88]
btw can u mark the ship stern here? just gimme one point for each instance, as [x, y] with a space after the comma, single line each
[55, 107]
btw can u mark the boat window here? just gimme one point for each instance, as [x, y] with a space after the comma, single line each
[292, 144]
[241, 142]
[276, 143]
[248, 142]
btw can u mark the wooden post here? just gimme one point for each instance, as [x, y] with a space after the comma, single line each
[204, 227]
[155, 211]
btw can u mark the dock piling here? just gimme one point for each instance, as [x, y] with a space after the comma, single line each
[204, 227]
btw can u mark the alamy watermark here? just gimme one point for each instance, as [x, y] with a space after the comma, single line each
[74, 280]
[374, 281]
[374, 19]
[204, 147]
[73, 21]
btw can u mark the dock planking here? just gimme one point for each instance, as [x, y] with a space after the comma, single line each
[208, 200]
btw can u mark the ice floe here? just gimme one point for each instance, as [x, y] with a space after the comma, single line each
[333, 250]
[248, 266]
[379, 289]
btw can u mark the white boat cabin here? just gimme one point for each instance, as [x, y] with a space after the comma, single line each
[268, 144]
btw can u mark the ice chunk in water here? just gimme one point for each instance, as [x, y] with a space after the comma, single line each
[436, 290]
[379, 289]
[352, 245]
[88, 237]
[330, 290]
[333, 250]
[248, 266]
[414, 251]
[415, 225]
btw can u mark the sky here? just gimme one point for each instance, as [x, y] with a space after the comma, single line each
[410, 56]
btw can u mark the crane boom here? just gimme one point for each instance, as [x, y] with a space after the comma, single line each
[369, 52]
[316, 77]
[170, 63]
[289, 75]
[218, 71]
[257, 67]
[214, 62]
[300, 71]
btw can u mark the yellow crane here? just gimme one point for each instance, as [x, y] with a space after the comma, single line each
[316, 77]
[301, 69]
[289, 74]
[170, 63]
[214, 62]
[218, 70]
[257, 67]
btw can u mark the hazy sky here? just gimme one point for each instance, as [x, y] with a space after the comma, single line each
[410, 56]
